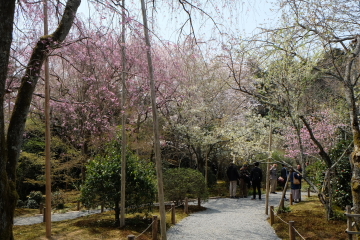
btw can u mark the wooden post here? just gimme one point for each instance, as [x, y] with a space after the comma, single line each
[173, 219]
[131, 237]
[41, 208]
[157, 149]
[291, 199]
[348, 221]
[124, 107]
[291, 230]
[268, 167]
[186, 208]
[155, 228]
[309, 192]
[267, 183]
[47, 210]
[272, 215]
[78, 205]
[199, 202]
[44, 215]
[102, 207]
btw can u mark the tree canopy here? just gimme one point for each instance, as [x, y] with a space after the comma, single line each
[219, 99]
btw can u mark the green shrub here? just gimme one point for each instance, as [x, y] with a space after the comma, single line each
[58, 199]
[341, 184]
[20, 204]
[37, 196]
[221, 188]
[65, 161]
[212, 179]
[184, 182]
[103, 181]
[30, 172]
[341, 179]
[31, 203]
[316, 173]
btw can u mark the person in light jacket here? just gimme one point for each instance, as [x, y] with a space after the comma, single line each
[233, 176]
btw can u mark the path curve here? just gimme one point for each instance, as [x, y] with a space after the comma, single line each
[228, 219]
[224, 218]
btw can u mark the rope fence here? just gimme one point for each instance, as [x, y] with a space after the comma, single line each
[292, 229]
[145, 229]
[298, 233]
[155, 223]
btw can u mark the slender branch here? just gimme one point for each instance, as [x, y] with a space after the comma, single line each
[322, 152]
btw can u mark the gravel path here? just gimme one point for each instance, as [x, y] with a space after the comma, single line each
[225, 218]
[228, 218]
[54, 217]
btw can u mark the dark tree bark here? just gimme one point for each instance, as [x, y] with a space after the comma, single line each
[10, 147]
[8, 193]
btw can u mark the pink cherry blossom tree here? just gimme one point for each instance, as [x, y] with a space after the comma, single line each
[325, 127]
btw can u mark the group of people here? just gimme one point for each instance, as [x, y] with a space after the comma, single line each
[245, 178]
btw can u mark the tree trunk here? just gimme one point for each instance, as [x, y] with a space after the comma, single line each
[326, 195]
[349, 78]
[117, 213]
[200, 162]
[10, 150]
[326, 192]
[355, 179]
[8, 195]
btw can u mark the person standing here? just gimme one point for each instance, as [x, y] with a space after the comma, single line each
[296, 184]
[244, 181]
[233, 176]
[273, 178]
[256, 178]
[300, 175]
[283, 175]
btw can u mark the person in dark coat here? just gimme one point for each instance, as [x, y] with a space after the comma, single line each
[233, 176]
[244, 181]
[256, 178]
[283, 175]
[296, 188]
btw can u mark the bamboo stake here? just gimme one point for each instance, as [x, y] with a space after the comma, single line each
[173, 215]
[154, 228]
[291, 230]
[186, 210]
[268, 171]
[123, 122]
[156, 127]
[47, 135]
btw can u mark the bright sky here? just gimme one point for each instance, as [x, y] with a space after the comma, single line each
[237, 18]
